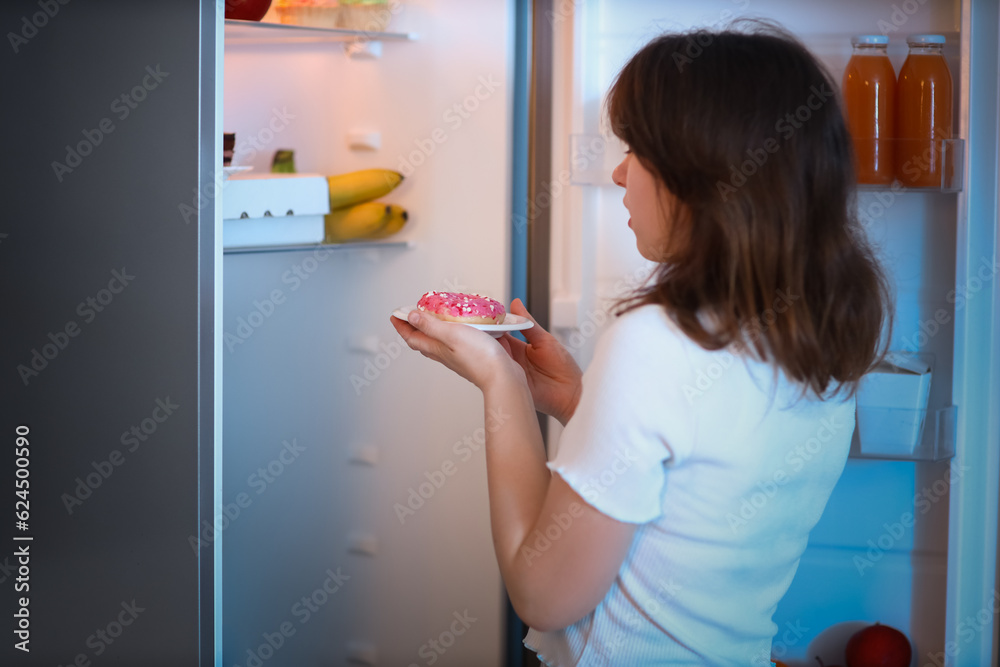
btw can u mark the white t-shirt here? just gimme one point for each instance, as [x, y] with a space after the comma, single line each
[725, 470]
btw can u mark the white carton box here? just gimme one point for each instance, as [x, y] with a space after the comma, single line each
[892, 405]
[274, 209]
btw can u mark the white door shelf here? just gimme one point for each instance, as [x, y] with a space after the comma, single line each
[258, 32]
[936, 444]
[594, 156]
[301, 247]
[950, 152]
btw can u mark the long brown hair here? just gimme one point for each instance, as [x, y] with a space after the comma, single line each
[744, 128]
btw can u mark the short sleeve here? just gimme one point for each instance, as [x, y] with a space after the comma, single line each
[632, 419]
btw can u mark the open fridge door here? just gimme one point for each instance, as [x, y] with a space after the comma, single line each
[909, 537]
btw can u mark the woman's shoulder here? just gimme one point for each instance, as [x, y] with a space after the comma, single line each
[649, 324]
[646, 319]
[646, 335]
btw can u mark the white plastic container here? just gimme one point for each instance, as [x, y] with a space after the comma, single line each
[892, 405]
[273, 209]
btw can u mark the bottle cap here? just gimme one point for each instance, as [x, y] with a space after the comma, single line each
[919, 40]
[869, 39]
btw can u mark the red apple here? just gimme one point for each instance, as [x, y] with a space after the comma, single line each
[247, 10]
[878, 646]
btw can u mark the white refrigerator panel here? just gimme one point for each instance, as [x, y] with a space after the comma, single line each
[360, 462]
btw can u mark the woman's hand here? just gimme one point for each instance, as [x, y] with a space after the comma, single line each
[473, 354]
[553, 375]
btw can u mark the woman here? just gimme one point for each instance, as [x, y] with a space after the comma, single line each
[705, 439]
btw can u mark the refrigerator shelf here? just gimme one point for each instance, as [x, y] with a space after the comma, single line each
[896, 187]
[594, 156]
[319, 246]
[952, 152]
[937, 442]
[258, 32]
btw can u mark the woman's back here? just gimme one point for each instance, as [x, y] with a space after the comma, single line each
[726, 468]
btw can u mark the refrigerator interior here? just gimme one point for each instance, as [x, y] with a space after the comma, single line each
[359, 462]
[863, 563]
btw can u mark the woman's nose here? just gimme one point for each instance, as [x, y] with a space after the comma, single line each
[619, 172]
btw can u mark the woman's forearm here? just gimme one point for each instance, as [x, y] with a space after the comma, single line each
[516, 473]
[552, 585]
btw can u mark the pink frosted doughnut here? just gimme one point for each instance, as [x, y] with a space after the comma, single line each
[467, 308]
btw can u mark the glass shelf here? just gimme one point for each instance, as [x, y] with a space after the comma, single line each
[935, 434]
[594, 156]
[259, 32]
[305, 247]
[952, 156]
[914, 427]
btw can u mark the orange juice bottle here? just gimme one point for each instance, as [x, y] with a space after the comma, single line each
[923, 113]
[869, 90]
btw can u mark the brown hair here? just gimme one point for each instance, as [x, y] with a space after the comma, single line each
[745, 130]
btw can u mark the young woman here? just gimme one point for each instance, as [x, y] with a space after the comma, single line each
[704, 440]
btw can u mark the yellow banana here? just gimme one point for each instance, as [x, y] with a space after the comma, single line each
[355, 222]
[359, 186]
[397, 218]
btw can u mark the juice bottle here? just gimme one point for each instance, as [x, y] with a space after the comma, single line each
[869, 90]
[923, 113]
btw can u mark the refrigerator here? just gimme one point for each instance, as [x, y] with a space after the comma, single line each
[235, 438]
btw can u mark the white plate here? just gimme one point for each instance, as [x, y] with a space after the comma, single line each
[510, 323]
[229, 171]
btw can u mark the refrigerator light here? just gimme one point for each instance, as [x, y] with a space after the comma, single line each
[364, 344]
[363, 544]
[365, 455]
[363, 50]
[364, 140]
[361, 653]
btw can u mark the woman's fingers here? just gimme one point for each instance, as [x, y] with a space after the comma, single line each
[431, 326]
[416, 339]
[517, 307]
[473, 354]
[535, 333]
[515, 348]
[505, 344]
[514, 343]
[402, 327]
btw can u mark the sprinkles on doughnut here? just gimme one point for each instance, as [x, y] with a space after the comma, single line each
[465, 308]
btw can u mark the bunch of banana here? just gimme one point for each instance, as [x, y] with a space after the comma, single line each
[367, 221]
[353, 215]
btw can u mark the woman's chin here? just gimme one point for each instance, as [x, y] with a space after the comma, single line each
[650, 254]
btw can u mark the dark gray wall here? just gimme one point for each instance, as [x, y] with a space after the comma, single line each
[107, 227]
